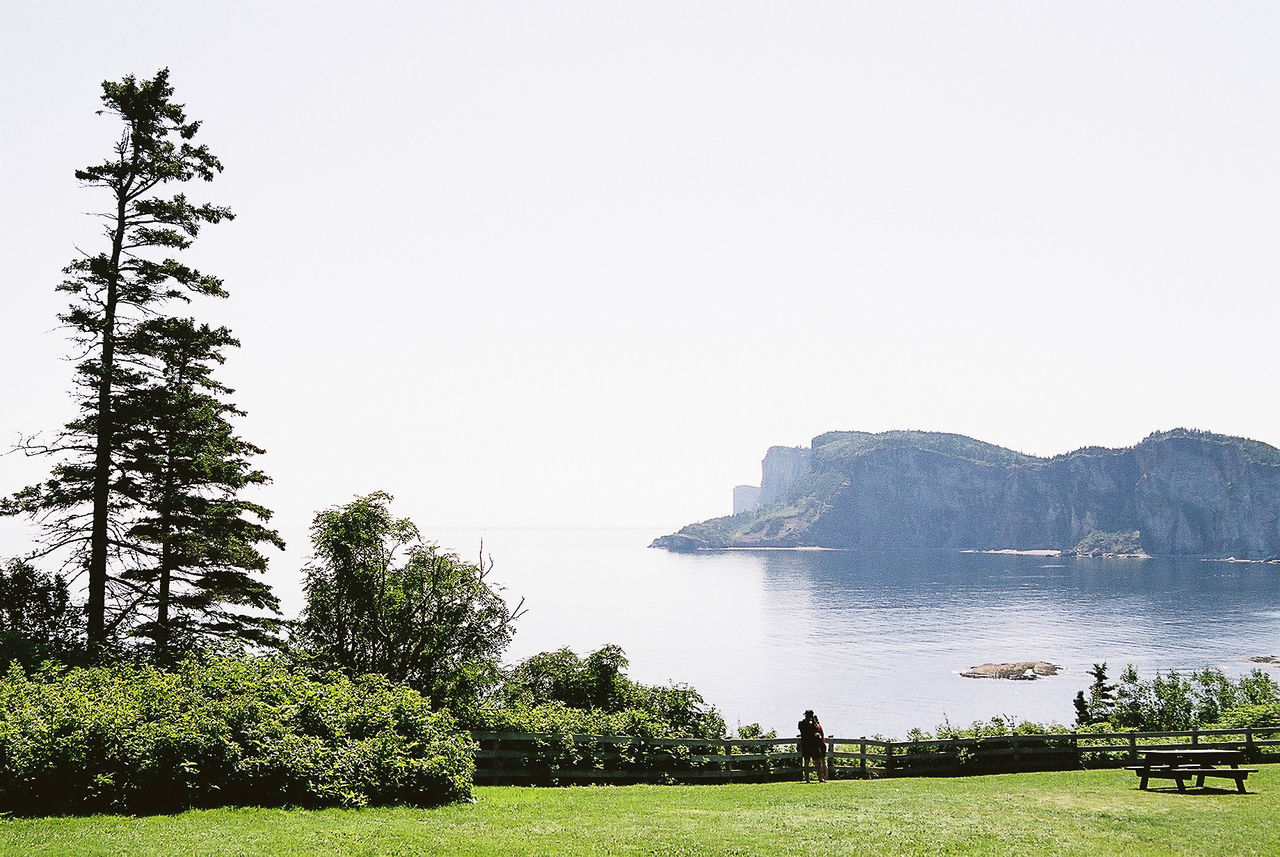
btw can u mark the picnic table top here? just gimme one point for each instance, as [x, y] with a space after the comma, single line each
[1194, 755]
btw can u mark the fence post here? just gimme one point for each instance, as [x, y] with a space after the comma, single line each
[1195, 735]
[888, 758]
[1133, 746]
[728, 760]
[1248, 740]
[862, 756]
[831, 758]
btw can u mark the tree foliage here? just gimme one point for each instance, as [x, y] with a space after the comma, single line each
[559, 691]
[380, 600]
[38, 621]
[1097, 707]
[196, 537]
[142, 499]
[596, 681]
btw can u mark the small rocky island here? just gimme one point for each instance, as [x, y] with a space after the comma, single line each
[1020, 671]
[1181, 492]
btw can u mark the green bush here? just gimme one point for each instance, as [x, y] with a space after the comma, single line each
[1250, 716]
[229, 732]
[568, 739]
[560, 692]
[558, 718]
[997, 727]
[565, 700]
[1169, 702]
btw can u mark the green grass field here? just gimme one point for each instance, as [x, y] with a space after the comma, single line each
[1073, 813]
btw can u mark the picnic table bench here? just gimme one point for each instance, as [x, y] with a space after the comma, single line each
[1182, 765]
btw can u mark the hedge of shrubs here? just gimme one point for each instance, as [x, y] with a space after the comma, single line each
[562, 693]
[246, 732]
[558, 718]
[569, 702]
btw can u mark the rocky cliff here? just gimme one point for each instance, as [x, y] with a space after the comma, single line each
[1184, 492]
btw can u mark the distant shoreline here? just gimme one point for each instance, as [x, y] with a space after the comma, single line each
[768, 548]
[1042, 553]
[1061, 553]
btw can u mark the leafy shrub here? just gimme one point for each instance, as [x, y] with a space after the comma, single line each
[558, 718]
[996, 727]
[229, 732]
[1170, 702]
[545, 688]
[747, 731]
[575, 705]
[573, 739]
[1250, 716]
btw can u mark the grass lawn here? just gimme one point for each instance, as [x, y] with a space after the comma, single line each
[1073, 813]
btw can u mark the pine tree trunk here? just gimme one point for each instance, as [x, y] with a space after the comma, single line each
[97, 596]
[162, 599]
[166, 553]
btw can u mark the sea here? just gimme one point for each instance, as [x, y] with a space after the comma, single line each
[874, 641]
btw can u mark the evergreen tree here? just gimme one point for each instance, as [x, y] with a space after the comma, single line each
[1101, 700]
[107, 508]
[196, 539]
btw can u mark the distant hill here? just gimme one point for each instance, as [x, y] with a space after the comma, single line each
[1179, 492]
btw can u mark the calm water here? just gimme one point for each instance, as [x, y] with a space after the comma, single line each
[874, 641]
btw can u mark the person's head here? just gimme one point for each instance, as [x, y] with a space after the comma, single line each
[809, 715]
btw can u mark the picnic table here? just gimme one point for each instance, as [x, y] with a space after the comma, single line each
[1182, 765]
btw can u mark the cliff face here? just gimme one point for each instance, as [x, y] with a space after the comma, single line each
[781, 469]
[1185, 492]
[746, 499]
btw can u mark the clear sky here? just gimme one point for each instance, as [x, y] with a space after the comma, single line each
[582, 263]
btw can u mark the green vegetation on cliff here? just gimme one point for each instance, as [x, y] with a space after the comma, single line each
[1110, 544]
[1182, 492]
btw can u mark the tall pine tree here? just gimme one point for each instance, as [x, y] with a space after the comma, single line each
[196, 540]
[107, 507]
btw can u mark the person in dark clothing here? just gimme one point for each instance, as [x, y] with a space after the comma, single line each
[813, 746]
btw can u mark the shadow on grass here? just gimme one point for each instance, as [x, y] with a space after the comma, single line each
[1195, 791]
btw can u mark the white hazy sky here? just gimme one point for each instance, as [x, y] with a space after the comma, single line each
[582, 263]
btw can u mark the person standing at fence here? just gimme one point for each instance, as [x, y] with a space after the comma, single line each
[813, 746]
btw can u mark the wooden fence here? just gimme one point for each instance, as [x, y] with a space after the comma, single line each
[515, 758]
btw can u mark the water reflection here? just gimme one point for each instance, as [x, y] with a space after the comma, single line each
[873, 641]
[883, 636]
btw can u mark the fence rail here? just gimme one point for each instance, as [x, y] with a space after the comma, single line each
[516, 758]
